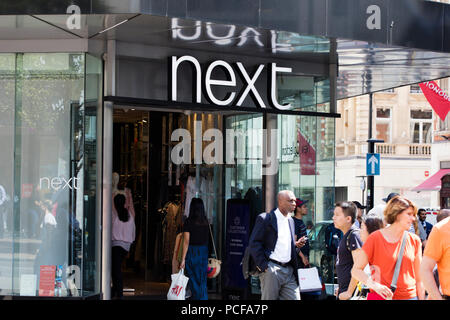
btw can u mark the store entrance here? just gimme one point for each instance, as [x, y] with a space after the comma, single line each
[142, 149]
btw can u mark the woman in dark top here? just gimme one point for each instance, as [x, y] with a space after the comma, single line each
[195, 249]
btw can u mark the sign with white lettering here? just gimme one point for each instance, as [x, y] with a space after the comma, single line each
[234, 96]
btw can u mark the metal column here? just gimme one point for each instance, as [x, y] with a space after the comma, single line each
[270, 146]
[110, 75]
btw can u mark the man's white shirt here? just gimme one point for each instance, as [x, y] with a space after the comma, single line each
[282, 251]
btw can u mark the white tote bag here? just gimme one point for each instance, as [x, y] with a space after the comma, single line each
[309, 279]
[177, 290]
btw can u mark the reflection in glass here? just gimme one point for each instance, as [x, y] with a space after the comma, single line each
[7, 98]
[43, 123]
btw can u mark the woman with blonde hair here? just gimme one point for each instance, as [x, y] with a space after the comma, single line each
[381, 250]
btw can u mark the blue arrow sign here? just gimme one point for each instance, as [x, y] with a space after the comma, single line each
[373, 164]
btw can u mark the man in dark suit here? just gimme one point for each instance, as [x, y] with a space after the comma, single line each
[274, 250]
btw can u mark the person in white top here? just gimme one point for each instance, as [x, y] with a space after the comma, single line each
[273, 248]
[123, 235]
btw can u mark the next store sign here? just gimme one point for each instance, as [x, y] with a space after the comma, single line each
[235, 95]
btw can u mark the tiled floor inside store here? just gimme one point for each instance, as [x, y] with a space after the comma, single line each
[135, 288]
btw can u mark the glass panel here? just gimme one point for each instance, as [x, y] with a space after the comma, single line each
[383, 113]
[415, 130]
[426, 132]
[7, 94]
[89, 249]
[293, 42]
[48, 139]
[297, 139]
[383, 132]
[419, 114]
[415, 89]
[246, 172]
[43, 121]
[325, 169]
[307, 168]
[304, 92]
[445, 125]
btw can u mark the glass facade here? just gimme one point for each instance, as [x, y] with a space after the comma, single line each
[49, 223]
[307, 162]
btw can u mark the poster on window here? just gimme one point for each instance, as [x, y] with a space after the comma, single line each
[47, 281]
[237, 235]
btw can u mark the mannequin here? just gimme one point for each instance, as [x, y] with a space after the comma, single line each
[126, 192]
[115, 184]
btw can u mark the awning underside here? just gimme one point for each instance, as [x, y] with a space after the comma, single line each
[363, 67]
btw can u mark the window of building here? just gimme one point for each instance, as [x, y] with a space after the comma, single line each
[415, 88]
[444, 125]
[383, 124]
[445, 164]
[421, 126]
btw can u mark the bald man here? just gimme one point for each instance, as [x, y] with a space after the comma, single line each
[272, 247]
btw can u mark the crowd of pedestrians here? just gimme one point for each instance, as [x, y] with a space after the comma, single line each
[392, 251]
[395, 254]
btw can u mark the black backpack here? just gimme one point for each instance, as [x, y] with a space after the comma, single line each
[332, 238]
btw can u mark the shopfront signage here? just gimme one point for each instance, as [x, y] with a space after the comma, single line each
[235, 95]
[57, 183]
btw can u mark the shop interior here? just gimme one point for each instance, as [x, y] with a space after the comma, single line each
[159, 189]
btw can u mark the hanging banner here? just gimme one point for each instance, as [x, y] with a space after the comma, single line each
[307, 155]
[438, 99]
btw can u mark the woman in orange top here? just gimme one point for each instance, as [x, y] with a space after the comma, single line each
[381, 251]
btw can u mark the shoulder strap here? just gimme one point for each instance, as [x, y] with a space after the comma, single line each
[347, 241]
[212, 238]
[398, 263]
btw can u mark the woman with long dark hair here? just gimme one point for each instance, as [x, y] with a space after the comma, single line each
[123, 234]
[195, 249]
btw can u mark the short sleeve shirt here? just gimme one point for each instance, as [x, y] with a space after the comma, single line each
[344, 260]
[198, 234]
[438, 249]
[382, 256]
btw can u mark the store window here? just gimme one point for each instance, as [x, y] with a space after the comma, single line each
[307, 162]
[421, 122]
[49, 210]
[383, 124]
[245, 172]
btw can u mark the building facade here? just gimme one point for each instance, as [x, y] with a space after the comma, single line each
[405, 121]
[219, 100]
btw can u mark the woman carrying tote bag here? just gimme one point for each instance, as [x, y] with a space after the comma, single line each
[195, 249]
[394, 256]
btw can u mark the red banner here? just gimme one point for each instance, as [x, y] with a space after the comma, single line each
[307, 155]
[439, 100]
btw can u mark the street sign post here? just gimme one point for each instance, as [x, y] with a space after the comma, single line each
[372, 166]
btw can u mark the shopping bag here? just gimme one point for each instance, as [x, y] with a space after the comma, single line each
[309, 279]
[358, 294]
[177, 290]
